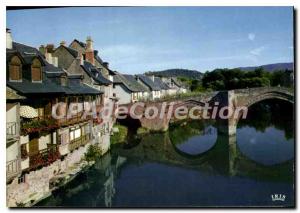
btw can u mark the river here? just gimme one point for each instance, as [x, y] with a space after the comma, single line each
[193, 165]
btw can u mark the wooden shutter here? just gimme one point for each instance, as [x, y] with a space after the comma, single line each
[36, 74]
[14, 72]
[34, 145]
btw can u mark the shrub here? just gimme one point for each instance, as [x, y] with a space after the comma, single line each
[120, 136]
[92, 153]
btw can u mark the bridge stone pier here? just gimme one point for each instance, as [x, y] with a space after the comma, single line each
[237, 101]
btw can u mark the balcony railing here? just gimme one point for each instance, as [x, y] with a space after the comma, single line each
[12, 129]
[73, 120]
[13, 168]
[78, 142]
[43, 157]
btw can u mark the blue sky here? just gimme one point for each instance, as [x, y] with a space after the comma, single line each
[139, 39]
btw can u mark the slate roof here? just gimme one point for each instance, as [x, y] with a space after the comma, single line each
[146, 80]
[96, 56]
[129, 82]
[27, 87]
[26, 50]
[12, 94]
[161, 84]
[75, 87]
[95, 73]
[48, 86]
[72, 51]
[177, 82]
[82, 44]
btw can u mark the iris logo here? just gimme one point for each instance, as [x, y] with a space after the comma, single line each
[278, 197]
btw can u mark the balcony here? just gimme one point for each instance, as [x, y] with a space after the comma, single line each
[78, 142]
[43, 157]
[13, 169]
[12, 130]
[45, 124]
[73, 120]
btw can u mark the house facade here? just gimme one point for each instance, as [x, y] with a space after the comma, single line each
[175, 87]
[153, 87]
[80, 58]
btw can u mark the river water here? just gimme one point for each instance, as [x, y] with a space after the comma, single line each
[193, 165]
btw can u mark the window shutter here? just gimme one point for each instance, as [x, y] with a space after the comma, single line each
[36, 74]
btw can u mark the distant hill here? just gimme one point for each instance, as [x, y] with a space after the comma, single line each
[271, 67]
[177, 73]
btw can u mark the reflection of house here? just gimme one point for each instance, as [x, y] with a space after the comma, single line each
[128, 90]
[44, 86]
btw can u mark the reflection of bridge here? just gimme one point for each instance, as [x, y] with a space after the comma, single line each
[223, 158]
[231, 99]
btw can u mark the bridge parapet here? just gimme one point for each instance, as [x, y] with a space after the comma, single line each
[264, 90]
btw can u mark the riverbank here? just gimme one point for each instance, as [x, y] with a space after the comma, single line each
[35, 186]
[63, 179]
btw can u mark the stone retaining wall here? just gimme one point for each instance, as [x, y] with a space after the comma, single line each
[36, 184]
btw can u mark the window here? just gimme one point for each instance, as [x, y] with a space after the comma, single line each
[36, 70]
[63, 81]
[21, 179]
[75, 133]
[15, 69]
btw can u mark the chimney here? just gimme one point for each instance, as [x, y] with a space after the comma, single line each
[89, 52]
[79, 59]
[9, 39]
[42, 49]
[49, 48]
[106, 65]
[152, 77]
[63, 43]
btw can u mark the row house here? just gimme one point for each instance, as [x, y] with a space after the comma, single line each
[175, 87]
[80, 58]
[132, 88]
[128, 90]
[34, 138]
[153, 87]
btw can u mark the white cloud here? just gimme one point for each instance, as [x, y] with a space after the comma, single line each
[257, 51]
[291, 47]
[251, 36]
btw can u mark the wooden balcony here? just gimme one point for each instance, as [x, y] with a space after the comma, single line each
[78, 142]
[13, 169]
[43, 157]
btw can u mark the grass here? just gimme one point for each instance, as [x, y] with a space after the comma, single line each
[120, 136]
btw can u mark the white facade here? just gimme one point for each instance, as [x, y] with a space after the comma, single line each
[122, 93]
[155, 94]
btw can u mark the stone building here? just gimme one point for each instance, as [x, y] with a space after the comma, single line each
[80, 58]
[128, 90]
[36, 139]
[153, 87]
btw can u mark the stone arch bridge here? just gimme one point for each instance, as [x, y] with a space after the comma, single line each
[232, 99]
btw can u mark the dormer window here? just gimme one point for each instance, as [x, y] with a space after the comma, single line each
[36, 70]
[15, 69]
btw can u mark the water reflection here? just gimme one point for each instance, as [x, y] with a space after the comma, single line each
[231, 171]
[194, 138]
[267, 135]
[268, 148]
